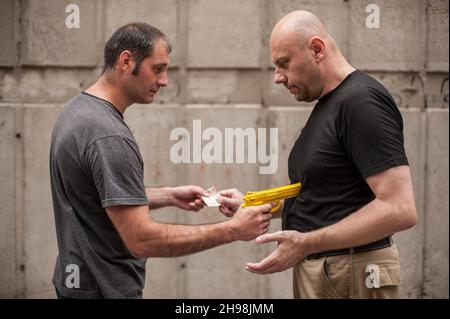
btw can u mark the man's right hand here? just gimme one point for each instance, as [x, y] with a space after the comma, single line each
[251, 222]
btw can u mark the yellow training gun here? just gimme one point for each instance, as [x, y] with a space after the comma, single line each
[271, 196]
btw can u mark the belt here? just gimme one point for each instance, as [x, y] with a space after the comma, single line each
[379, 244]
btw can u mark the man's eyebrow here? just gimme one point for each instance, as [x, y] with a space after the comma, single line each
[160, 64]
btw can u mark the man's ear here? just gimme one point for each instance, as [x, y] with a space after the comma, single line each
[318, 47]
[125, 61]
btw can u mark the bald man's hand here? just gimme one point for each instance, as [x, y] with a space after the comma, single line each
[289, 252]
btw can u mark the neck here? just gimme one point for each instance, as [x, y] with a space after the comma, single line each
[337, 70]
[106, 88]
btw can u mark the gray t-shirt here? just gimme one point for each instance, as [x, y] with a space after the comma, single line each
[94, 163]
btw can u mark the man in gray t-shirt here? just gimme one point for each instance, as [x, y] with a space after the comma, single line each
[94, 163]
[101, 206]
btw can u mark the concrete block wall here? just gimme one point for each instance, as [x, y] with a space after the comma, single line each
[220, 74]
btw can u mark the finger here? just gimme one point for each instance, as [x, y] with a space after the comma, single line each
[228, 201]
[199, 202]
[197, 190]
[263, 264]
[267, 217]
[227, 192]
[264, 208]
[267, 238]
[226, 211]
[229, 211]
[265, 225]
[265, 270]
[224, 200]
[270, 270]
[193, 207]
[260, 209]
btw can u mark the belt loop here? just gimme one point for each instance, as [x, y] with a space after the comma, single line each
[352, 251]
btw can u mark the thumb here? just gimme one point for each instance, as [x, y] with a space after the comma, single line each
[267, 238]
[197, 190]
[264, 208]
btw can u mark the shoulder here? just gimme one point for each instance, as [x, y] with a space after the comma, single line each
[365, 94]
[85, 120]
[366, 88]
[89, 116]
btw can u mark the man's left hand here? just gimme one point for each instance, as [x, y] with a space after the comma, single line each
[290, 251]
[187, 197]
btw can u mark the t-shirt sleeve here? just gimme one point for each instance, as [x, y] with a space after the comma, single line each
[117, 172]
[372, 133]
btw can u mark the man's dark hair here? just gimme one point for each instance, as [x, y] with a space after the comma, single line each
[139, 38]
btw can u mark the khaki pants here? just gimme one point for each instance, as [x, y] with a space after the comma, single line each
[372, 274]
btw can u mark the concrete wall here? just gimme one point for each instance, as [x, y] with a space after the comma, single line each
[222, 74]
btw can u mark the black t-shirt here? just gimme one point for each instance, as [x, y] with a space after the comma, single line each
[353, 132]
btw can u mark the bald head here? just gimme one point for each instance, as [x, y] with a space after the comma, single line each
[299, 27]
[306, 58]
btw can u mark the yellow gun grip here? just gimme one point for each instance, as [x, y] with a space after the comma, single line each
[277, 206]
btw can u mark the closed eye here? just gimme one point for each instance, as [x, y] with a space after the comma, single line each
[282, 63]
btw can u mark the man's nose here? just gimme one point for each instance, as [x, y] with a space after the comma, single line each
[279, 77]
[163, 79]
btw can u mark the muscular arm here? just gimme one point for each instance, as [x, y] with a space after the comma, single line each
[392, 210]
[146, 238]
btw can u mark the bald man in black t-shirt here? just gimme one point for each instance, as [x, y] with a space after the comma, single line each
[350, 158]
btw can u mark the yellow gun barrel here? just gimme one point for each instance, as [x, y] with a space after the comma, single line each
[271, 196]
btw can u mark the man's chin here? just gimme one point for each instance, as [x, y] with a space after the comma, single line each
[146, 100]
[302, 98]
[299, 98]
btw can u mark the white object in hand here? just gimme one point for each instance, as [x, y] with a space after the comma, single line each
[211, 200]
